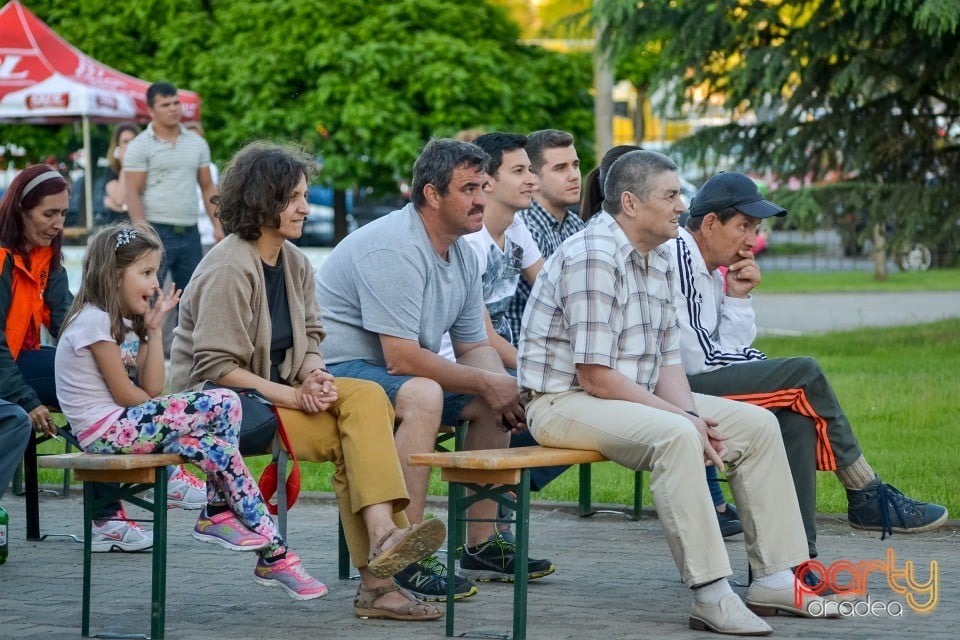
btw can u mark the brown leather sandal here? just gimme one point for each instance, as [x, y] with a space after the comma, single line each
[413, 610]
[418, 542]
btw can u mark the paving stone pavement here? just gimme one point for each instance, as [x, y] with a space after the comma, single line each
[615, 579]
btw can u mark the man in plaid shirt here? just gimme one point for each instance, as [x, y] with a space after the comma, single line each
[599, 365]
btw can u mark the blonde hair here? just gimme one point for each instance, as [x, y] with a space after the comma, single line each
[109, 252]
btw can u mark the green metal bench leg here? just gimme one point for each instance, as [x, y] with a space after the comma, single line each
[521, 564]
[87, 557]
[586, 508]
[456, 527]
[158, 605]
[158, 590]
[637, 495]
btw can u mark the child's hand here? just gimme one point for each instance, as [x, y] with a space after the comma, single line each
[164, 303]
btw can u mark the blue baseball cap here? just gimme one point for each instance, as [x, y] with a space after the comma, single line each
[733, 190]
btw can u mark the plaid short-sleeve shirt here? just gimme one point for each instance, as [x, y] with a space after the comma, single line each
[598, 301]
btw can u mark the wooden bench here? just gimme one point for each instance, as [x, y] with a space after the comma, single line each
[135, 473]
[491, 474]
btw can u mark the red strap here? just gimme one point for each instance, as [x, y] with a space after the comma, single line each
[270, 477]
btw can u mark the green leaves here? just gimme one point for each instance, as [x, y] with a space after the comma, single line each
[865, 91]
[365, 84]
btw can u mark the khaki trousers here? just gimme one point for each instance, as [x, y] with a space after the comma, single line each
[666, 444]
[356, 435]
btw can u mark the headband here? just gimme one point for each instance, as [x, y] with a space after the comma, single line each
[43, 177]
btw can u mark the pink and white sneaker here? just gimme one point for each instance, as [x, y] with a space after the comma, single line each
[119, 535]
[184, 490]
[228, 531]
[289, 574]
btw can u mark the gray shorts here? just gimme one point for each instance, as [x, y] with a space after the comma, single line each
[453, 403]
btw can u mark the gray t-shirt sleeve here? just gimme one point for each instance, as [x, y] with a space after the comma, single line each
[390, 291]
[135, 157]
[470, 325]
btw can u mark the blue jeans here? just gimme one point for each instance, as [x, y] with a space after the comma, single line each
[716, 493]
[453, 403]
[14, 436]
[182, 252]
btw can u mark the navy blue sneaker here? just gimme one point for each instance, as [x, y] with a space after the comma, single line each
[492, 561]
[427, 580]
[881, 507]
[729, 521]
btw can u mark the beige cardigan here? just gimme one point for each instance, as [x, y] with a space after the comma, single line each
[225, 321]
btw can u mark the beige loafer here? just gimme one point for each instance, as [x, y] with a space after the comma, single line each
[729, 616]
[765, 601]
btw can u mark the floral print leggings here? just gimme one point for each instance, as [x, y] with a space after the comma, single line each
[204, 427]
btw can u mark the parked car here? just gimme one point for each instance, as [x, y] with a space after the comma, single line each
[318, 228]
[368, 207]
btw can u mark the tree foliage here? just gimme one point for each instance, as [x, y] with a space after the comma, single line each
[364, 84]
[867, 91]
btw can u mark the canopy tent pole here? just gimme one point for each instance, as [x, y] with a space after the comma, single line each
[88, 173]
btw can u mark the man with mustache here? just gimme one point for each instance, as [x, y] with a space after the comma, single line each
[389, 292]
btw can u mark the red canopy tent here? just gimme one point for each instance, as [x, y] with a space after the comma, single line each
[45, 80]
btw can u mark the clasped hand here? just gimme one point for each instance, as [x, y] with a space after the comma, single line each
[713, 447]
[317, 392]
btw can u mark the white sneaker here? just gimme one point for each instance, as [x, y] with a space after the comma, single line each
[184, 490]
[119, 535]
[728, 616]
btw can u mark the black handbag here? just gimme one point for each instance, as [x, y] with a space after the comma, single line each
[258, 426]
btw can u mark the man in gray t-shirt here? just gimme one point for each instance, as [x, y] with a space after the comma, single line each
[389, 292]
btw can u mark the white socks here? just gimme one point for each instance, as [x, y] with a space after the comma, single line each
[711, 593]
[779, 580]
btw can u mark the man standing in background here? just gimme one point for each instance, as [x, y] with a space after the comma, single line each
[163, 166]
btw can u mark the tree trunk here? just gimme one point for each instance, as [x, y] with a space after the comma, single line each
[602, 101]
[879, 253]
[339, 215]
[639, 123]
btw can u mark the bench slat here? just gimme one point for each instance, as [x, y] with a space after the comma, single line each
[108, 461]
[519, 458]
[139, 476]
[481, 476]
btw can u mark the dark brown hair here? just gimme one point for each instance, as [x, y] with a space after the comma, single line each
[257, 185]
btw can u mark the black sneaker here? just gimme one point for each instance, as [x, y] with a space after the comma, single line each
[427, 580]
[503, 515]
[492, 561]
[880, 507]
[729, 521]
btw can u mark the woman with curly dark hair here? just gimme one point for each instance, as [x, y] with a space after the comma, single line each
[249, 319]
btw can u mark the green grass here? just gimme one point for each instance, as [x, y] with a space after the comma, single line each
[793, 249]
[898, 386]
[858, 281]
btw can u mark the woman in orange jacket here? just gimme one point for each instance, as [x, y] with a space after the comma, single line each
[34, 294]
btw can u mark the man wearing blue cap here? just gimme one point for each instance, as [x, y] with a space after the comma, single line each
[717, 328]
